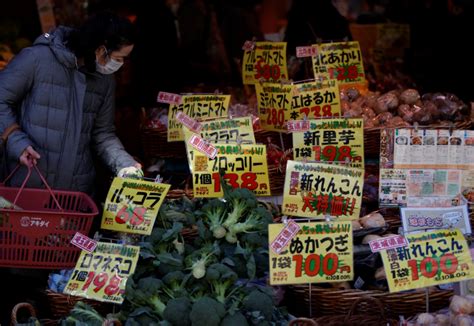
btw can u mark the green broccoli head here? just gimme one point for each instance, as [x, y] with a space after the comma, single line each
[177, 312]
[237, 319]
[207, 312]
[259, 301]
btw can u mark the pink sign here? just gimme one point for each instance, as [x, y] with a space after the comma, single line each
[285, 236]
[388, 243]
[83, 242]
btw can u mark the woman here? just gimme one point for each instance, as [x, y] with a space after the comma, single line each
[57, 104]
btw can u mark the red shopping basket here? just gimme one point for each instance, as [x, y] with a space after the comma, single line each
[39, 235]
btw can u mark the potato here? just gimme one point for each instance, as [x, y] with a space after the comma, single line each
[425, 319]
[409, 96]
[386, 102]
[372, 220]
[345, 106]
[384, 117]
[370, 237]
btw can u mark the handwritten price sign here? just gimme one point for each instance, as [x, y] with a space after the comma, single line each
[267, 61]
[315, 190]
[342, 61]
[243, 166]
[315, 100]
[102, 275]
[132, 205]
[333, 141]
[317, 253]
[431, 258]
[274, 105]
[197, 107]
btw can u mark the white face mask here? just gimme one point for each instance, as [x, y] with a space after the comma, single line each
[110, 66]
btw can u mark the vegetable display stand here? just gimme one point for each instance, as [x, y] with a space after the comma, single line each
[155, 144]
[61, 304]
[331, 301]
[373, 315]
[38, 233]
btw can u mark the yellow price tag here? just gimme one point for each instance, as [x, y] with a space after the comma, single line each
[341, 60]
[243, 166]
[198, 107]
[274, 105]
[318, 253]
[315, 190]
[132, 205]
[102, 275]
[431, 258]
[266, 61]
[315, 100]
[331, 141]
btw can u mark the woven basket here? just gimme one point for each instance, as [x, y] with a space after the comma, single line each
[282, 140]
[330, 301]
[24, 306]
[62, 304]
[372, 135]
[374, 317]
[155, 144]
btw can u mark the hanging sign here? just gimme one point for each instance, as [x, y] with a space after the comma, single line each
[317, 253]
[431, 258]
[132, 205]
[315, 190]
[102, 275]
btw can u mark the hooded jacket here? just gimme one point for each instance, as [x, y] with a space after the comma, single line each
[64, 113]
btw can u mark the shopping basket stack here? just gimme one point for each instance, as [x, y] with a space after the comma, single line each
[37, 233]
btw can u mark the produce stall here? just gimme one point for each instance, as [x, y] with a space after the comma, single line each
[277, 202]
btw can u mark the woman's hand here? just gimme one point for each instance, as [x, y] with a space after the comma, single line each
[29, 157]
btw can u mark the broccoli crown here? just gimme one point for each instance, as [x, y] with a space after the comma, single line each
[236, 319]
[150, 285]
[177, 312]
[174, 279]
[207, 312]
[259, 301]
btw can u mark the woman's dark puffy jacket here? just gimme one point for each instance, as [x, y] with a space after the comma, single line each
[64, 113]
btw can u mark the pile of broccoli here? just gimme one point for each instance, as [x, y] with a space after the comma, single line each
[212, 279]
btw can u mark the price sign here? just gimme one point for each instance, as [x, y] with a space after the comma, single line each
[306, 51]
[222, 131]
[169, 98]
[267, 61]
[316, 190]
[83, 242]
[243, 166]
[315, 100]
[431, 258]
[197, 107]
[333, 141]
[102, 274]
[317, 253]
[274, 105]
[342, 61]
[132, 205]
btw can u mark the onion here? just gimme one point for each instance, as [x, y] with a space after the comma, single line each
[425, 319]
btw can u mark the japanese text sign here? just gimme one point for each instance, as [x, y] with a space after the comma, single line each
[188, 121]
[243, 166]
[83, 242]
[132, 205]
[424, 218]
[202, 146]
[332, 141]
[318, 253]
[316, 190]
[284, 237]
[274, 105]
[223, 131]
[342, 61]
[431, 258]
[315, 100]
[198, 107]
[267, 61]
[102, 275]
[170, 98]
[385, 243]
[306, 51]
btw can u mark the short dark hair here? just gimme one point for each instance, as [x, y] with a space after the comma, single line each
[105, 29]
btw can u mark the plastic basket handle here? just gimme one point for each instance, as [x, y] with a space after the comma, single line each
[26, 180]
